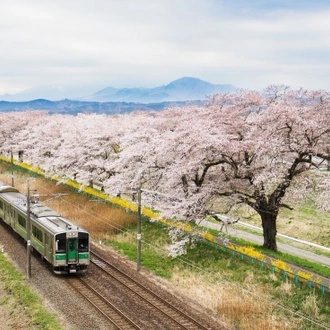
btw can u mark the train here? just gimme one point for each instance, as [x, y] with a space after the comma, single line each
[63, 244]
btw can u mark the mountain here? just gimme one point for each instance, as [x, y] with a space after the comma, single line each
[48, 92]
[111, 100]
[183, 89]
[73, 107]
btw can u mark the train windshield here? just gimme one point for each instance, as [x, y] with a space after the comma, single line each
[61, 243]
[83, 242]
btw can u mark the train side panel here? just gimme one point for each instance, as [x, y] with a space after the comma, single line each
[63, 244]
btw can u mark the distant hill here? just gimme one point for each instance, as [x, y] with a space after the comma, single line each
[112, 100]
[52, 93]
[183, 89]
[74, 107]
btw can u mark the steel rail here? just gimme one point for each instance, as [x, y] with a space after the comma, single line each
[176, 315]
[104, 306]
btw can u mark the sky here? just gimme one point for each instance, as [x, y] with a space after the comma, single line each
[141, 43]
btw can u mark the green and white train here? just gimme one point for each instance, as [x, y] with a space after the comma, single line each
[59, 241]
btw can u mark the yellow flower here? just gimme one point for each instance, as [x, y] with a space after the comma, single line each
[209, 237]
[248, 251]
[281, 265]
[304, 277]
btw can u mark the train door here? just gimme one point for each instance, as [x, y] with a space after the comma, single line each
[5, 213]
[72, 249]
[47, 252]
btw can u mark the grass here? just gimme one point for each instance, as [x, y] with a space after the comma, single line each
[303, 263]
[304, 222]
[28, 303]
[244, 296]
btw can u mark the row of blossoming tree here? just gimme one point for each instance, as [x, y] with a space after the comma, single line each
[248, 146]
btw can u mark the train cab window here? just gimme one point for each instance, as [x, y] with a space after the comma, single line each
[83, 242]
[72, 245]
[61, 243]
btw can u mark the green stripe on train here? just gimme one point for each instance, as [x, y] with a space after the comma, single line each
[37, 244]
[63, 256]
[83, 255]
[60, 257]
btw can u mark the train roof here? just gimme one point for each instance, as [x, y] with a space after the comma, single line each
[5, 188]
[41, 214]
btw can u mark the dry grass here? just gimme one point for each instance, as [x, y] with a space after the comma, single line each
[237, 308]
[246, 312]
[309, 307]
[99, 219]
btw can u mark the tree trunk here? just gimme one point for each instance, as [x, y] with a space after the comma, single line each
[268, 220]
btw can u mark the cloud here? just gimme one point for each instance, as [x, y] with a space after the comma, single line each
[146, 43]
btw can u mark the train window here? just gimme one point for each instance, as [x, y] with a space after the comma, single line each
[1, 205]
[61, 243]
[22, 221]
[83, 242]
[37, 233]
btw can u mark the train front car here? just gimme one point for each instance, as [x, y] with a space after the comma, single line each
[71, 250]
[71, 243]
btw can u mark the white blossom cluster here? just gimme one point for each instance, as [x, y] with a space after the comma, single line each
[181, 241]
[248, 146]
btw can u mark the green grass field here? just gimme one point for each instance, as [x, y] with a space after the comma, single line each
[244, 295]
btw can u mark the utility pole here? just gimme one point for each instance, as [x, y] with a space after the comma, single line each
[139, 227]
[12, 167]
[28, 231]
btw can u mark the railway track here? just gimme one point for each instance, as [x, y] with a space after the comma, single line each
[177, 317]
[118, 319]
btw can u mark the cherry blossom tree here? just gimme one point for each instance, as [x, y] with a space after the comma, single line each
[247, 146]
[250, 147]
[12, 124]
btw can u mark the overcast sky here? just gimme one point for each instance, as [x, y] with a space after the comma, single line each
[148, 43]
